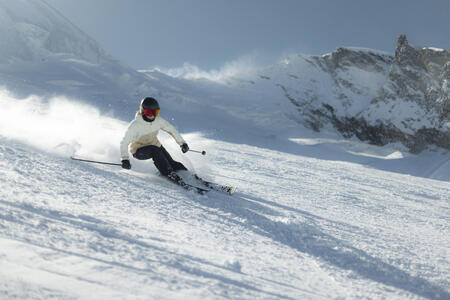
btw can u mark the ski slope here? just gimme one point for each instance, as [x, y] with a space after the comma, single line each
[315, 216]
[299, 227]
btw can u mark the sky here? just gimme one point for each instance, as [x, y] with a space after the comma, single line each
[210, 34]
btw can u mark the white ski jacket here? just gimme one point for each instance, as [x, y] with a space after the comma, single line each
[141, 133]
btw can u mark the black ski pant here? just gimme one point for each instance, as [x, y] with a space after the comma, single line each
[161, 158]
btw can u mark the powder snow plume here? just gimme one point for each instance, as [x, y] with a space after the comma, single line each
[67, 127]
[60, 125]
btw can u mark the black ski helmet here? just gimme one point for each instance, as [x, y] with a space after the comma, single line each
[149, 103]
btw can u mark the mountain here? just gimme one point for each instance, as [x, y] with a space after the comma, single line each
[42, 53]
[375, 96]
[31, 31]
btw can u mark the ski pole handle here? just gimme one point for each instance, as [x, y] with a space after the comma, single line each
[202, 152]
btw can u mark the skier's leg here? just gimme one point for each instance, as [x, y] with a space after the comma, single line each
[176, 166]
[159, 158]
[144, 153]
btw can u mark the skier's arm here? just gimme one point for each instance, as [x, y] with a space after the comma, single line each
[170, 129]
[126, 140]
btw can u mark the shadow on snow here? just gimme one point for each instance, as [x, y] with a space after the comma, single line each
[309, 239]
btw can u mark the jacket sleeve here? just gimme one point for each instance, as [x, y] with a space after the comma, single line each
[128, 138]
[170, 129]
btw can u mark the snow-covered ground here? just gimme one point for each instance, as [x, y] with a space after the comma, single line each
[321, 218]
[315, 216]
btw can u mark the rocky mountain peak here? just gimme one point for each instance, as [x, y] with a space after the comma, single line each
[376, 96]
[405, 54]
[445, 75]
[444, 99]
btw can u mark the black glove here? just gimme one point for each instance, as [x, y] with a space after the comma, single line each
[126, 164]
[184, 148]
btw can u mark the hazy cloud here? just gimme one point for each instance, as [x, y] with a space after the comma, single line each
[241, 66]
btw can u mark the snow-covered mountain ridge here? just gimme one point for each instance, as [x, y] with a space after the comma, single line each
[42, 53]
[31, 31]
[373, 95]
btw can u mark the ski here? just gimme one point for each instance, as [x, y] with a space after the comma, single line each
[194, 188]
[189, 187]
[216, 187]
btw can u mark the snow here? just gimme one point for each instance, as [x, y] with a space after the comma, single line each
[72, 230]
[32, 30]
[435, 49]
[315, 216]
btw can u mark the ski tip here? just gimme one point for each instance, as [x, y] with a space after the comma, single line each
[231, 191]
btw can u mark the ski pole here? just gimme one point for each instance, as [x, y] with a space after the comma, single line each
[96, 162]
[202, 152]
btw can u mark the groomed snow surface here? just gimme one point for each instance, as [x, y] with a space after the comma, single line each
[321, 219]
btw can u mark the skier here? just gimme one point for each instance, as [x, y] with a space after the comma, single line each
[142, 135]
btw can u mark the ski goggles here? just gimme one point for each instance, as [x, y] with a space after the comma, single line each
[151, 112]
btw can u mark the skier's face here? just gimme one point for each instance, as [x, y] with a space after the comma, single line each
[151, 113]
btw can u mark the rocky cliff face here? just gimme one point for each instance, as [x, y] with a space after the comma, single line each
[373, 95]
[418, 77]
[421, 75]
[444, 95]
